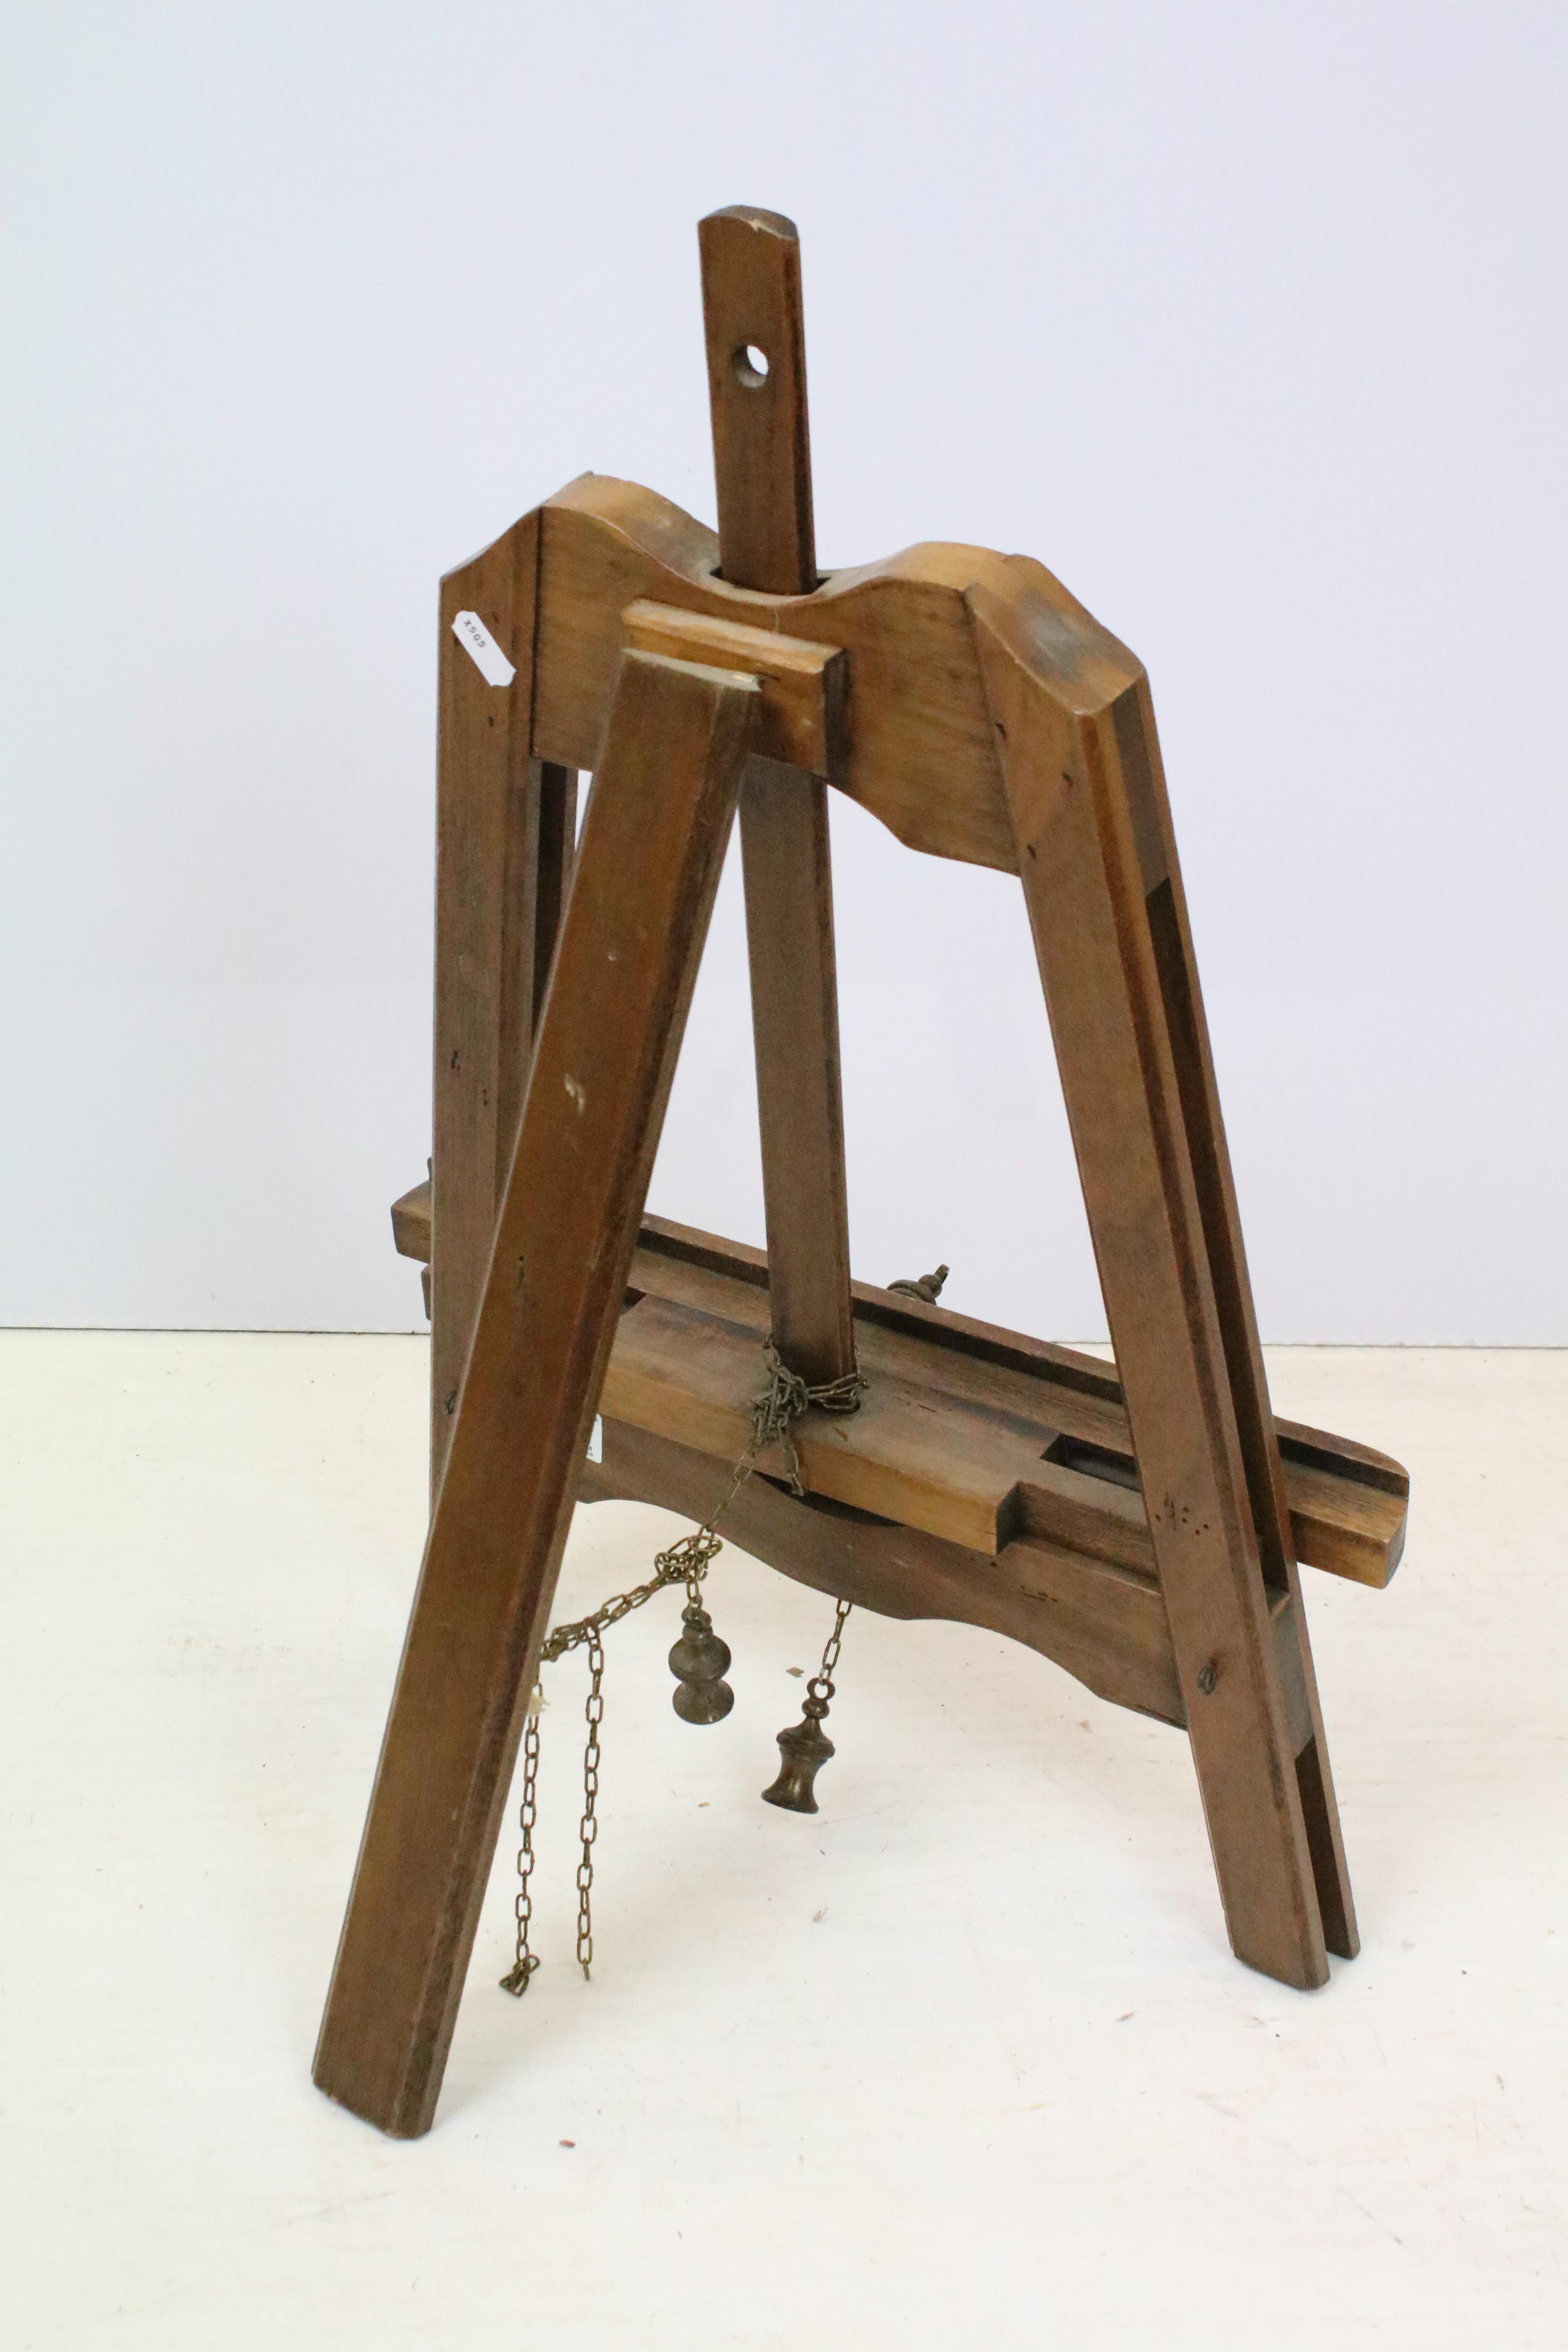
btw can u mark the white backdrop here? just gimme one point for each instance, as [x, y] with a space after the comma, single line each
[1248, 322]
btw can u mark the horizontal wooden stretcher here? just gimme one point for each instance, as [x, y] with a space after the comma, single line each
[987, 1476]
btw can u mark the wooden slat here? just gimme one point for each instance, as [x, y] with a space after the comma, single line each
[1103, 1623]
[1348, 1503]
[804, 686]
[1180, 997]
[411, 1223]
[762, 439]
[486, 843]
[788, 882]
[652, 850]
[687, 1375]
[1146, 1147]
[756, 333]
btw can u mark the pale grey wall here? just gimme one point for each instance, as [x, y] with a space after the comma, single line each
[1249, 321]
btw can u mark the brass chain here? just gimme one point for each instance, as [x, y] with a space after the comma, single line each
[516, 1981]
[821, 1684]
[590, 1828]
[774, 1412]
[684, 1562]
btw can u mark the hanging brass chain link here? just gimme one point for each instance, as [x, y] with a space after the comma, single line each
[821, 1684]
[516, 1981]
[590, 1827]
[774, 1412]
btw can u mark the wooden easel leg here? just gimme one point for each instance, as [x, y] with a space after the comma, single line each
[501, 889]
[800, 1103]
[652, 849]
[498, 896]
[1095, 854]
[1138, 755]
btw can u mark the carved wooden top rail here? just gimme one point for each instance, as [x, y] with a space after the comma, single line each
[916, 745]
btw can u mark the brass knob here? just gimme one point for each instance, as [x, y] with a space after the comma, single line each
[700, 1661]
[927, 1287]
[804, 1748]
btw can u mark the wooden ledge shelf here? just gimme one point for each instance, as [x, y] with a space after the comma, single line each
[973, 1435]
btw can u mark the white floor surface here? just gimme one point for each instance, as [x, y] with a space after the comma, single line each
[964, 2061]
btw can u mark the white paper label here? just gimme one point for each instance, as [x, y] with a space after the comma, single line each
[486, 655]
[596, 1439]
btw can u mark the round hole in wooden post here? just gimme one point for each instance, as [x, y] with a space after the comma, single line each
[750, 362]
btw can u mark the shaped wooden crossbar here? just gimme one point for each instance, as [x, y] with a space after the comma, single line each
[1140, 1523]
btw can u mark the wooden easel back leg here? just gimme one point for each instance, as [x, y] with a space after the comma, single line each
[1078, 857]
[488, 800]
[653, 847]
[1138, 749]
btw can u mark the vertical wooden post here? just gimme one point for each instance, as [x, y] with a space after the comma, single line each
[652, 851]
[490, 801]
[1138, 749]
[756, 333]
[800, 1098]
[1099, 879]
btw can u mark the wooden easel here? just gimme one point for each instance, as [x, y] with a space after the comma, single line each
[1139, 1524]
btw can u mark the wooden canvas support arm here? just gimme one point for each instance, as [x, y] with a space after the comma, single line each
[754, 327]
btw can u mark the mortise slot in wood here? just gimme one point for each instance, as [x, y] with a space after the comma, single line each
[1222, 1235]
[752, 311]
[1095, 1462]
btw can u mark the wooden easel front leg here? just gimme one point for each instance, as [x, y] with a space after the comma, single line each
[652, 849]
[1225, 1587]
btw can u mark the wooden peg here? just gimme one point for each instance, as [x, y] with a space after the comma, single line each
[756, 383]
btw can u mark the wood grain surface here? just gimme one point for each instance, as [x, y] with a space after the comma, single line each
[653, 846]
[1086, 792]
[1348, 1503]
[754, 328]
[488, 794]
[1103, 1623]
